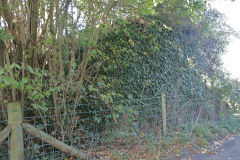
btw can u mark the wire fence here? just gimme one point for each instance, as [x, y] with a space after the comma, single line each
[95, 129]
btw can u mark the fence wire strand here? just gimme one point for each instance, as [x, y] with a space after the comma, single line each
[104, 127]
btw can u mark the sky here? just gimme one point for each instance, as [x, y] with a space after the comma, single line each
[231, 59]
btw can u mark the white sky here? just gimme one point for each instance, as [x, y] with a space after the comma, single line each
[232, 58]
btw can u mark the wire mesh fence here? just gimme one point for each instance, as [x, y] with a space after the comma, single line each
[93, 129]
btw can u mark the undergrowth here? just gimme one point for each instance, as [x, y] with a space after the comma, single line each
[205, 130]
[177, 144]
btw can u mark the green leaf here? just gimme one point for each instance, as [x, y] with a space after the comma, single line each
[7, 80]
[2, 71]
[28, 56]
[30, 69]
[3, 85]
[97, 119]
[15, 65]
[89, 58]
[35, 106]
[91, 88]
[25, 80]
[47, 93]
[44, 109]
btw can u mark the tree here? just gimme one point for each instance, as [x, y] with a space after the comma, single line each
[40, 41]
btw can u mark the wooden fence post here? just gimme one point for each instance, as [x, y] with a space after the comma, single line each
[164, 114]
[16, 136]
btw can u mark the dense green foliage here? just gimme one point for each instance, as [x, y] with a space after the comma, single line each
[88, 52]
[91, 72]
[142, 57]
[146, 59]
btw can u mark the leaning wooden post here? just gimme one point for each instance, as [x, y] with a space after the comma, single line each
[5, 133]
[16, 136]
[164, 114]
[53, 141]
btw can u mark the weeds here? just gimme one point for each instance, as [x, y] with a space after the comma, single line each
[176, 145]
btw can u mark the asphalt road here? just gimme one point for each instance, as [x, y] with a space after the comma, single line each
[230, 151]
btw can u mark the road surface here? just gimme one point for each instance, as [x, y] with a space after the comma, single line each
[230, 151]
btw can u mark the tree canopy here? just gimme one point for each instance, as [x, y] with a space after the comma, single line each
[58, 52]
